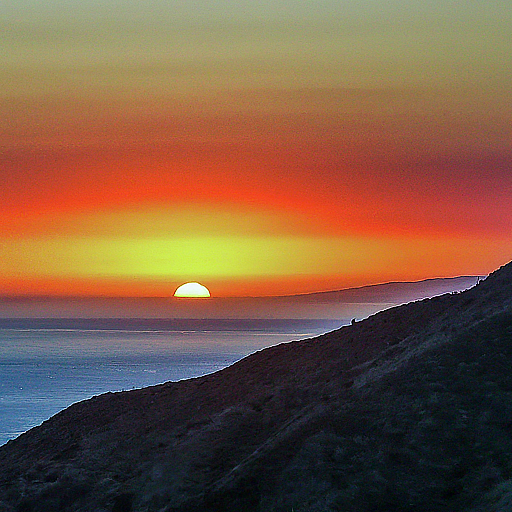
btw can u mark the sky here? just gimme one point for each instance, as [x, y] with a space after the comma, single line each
[257, 147]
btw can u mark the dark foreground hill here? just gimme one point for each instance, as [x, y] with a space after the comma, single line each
[409, 410]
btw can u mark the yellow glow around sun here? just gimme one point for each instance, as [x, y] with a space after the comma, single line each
[192, 290]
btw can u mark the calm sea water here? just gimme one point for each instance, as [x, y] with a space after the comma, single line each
[46, 365]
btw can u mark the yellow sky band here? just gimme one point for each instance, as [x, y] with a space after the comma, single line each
[202, 257]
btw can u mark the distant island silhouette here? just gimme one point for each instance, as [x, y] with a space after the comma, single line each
[339, 305]
[408, 410]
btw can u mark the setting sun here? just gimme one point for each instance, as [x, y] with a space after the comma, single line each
[192, 290]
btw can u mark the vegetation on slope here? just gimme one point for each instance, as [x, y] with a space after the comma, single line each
[410, 410]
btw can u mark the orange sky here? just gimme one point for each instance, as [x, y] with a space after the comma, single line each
[263, 151]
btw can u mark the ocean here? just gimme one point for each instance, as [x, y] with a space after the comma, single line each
[48, 364]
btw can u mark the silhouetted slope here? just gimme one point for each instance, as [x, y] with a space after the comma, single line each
[409, 410]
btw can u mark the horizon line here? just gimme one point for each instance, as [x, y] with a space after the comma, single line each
[229, 297]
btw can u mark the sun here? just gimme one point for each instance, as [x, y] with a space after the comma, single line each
[194, 290]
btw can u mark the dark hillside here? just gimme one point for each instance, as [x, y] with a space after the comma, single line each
[409, 410]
